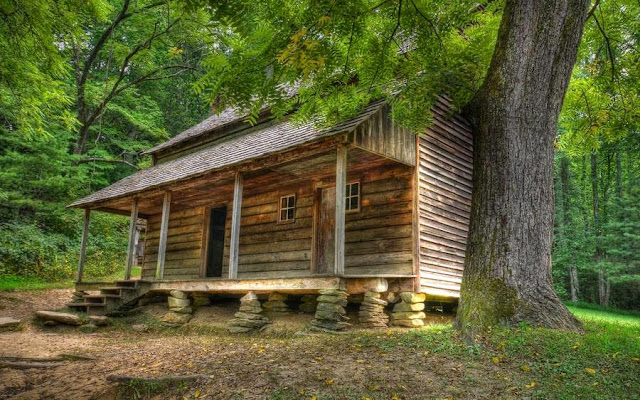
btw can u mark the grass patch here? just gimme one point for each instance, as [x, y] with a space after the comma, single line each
[15, 282]
[141, 389]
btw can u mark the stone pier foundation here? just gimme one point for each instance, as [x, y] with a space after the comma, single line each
[180, 309]
[250, 317]
[330, 312]
[276, 304]
[308, 303]
[371, 314]
[409, 311]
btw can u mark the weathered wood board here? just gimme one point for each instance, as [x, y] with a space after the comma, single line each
[444, 202]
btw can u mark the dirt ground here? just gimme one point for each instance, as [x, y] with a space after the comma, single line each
[284, 362]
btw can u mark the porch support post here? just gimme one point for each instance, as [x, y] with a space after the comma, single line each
[235, 227]
[131, 249]
[341, 188]
[83, 244]
[164, 228]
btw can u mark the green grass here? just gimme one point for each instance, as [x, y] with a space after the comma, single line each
[603, 362]
[14, 282]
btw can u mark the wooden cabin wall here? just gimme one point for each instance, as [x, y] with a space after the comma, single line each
[184, 244]
[378, 238]
[444, 204]
[268, 248]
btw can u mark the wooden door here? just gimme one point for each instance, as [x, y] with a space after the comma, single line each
[215, 247]
[325, 243]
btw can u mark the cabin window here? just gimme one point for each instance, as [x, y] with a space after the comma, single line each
[287, 209]
[353, 197]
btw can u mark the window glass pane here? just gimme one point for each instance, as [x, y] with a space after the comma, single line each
[283, 215]
[283, 202]
[354, 203]
[290, 213]
[354, 189]
[292, 201]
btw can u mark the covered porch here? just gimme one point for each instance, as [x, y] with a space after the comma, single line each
[324, 246]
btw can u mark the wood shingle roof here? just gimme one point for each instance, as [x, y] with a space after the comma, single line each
[256, 142]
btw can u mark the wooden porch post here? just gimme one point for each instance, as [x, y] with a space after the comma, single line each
[131, 249]
[235, 227]
[341, 187]
[83, 244]
[164, 228]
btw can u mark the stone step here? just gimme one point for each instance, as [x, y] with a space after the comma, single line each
[123, 283]
[102, 296]
[118, 288]
[85, 304]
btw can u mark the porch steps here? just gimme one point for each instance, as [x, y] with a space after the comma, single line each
[117, 297]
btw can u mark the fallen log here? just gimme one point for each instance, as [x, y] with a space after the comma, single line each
[160, 379]
[60, 357]
[28, 365]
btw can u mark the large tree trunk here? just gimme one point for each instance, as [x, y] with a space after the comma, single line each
[507, 277]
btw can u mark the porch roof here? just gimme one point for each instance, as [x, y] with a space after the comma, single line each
[259, 141]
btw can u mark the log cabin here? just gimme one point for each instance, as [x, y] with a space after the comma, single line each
[282, 207]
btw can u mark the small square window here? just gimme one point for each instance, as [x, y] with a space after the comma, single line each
[287, 212]
[352, 199]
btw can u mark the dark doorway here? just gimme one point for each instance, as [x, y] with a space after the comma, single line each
[215, 247]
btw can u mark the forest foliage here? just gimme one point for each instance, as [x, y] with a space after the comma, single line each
[85, 86]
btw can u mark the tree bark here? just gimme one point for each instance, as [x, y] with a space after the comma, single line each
[574, 283]
[603, 297]
[507, 277]
[567, 223]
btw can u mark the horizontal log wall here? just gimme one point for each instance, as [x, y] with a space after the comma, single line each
[268, 248]
[378, 237]
[184, 244]
[444, 203]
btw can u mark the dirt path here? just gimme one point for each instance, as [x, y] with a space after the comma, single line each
[276, 365]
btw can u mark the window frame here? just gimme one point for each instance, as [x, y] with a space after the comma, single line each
[287, 208]
[348, 197]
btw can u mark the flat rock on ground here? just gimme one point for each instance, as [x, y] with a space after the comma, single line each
[8, 322]
[62, 318]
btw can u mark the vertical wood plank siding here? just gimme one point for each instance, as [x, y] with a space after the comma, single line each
[444, 203]
[379, 135]
[184, 243]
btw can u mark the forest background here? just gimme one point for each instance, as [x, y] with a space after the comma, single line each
[86, 86]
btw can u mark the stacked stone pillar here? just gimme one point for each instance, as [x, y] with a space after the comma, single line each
[330, 312]
[78, 296]
[180, 309]
[409, 312]
[308, 303]
[250, 317]
[371, 314]
[276, 304]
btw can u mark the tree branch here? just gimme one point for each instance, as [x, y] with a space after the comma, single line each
[393, 33]
[430, 22]
[107, 160]
[115, 90]
[122, 15]
[607, 41]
